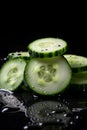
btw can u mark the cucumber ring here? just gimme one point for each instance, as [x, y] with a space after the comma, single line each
[47, 47]
[48, 76]
[78, 63]
[21, 54]
[12, 74]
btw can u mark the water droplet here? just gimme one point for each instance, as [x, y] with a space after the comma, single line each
[35, 97]
[25, 127]
[77, 117]
[65, 114]
[58, 120]
[71, 123]
[59, 45]
[84, 89]
[59, 96]
[5, 58]
[60, 105]
[40, 124]
[4, 110]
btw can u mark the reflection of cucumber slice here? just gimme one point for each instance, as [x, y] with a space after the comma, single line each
[11, 74]
[20, 54]
[49, 112]
[48, 76]
[47, 47]
[79, 78]
[51, 127]
[77, 63]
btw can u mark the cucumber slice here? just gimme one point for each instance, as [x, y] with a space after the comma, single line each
[20, 54]
[79, 78]
[49, 112]
[77, 63]
[47, 47]
[48, 76]
[11, 74]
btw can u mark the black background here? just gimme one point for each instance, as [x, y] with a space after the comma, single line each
[18, 40]
[21, 24]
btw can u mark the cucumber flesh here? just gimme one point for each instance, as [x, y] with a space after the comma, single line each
[48, 76]
[48, 112]
[77, 63]
[47, 47]
[12, 74]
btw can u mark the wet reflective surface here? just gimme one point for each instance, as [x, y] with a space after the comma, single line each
[60, 112]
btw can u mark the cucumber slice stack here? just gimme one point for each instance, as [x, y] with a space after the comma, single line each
[44, 68]
[79, 69]
[48, 72]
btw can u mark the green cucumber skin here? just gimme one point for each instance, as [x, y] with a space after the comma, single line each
[78, 63]
[79, 78]
[79, 69]
[22, 54]
[42, 54]
[22, 61]
[49, 54]
[41, 93]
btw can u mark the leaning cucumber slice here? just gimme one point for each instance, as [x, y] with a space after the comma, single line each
[11, 74]
[47, 47]
[49, 112]
[77, 63]
[79, 78]
[20, 54]
[48, 76]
